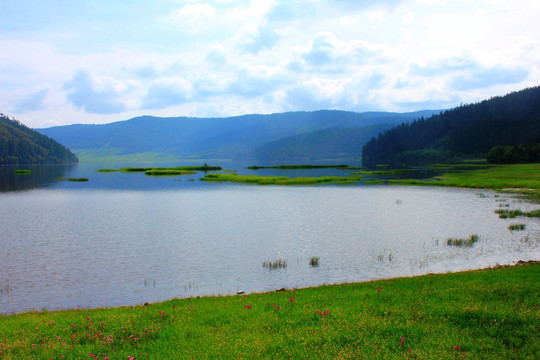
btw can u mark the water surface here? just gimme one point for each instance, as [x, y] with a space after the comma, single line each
[124, 239]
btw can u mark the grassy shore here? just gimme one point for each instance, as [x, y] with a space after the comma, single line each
[484, 314]
[521, 178]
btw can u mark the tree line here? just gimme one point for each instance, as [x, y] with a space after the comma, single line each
[467, 131]
[21, 145]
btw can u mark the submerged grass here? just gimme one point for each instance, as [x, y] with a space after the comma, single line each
[520, 178]
[73, 179]
[486, 314]
[23, 172]
[278, 180]
[470, 241]
[511, 214]
[276, 264]
[516, 227]
[301, 166]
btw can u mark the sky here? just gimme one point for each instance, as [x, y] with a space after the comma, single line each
[100, 61]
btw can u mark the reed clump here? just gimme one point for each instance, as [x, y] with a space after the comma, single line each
[314, 261]
[23, 172]
[470, 241]
[516, 227]
[276, 264]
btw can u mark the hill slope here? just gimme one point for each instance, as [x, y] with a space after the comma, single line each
[467, 131]
[233, 137]
[22, 145]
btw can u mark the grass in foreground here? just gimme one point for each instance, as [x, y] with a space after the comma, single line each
[486, 314]
[278, 180]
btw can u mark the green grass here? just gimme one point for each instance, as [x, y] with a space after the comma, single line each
[168, 172]
[486, 314]
[301, 166]
[314, 261]
[520, 178]
[516, 227]
[23, 172]
[73, 179]
[278, 180]
[505, 214]
[470, 241]
[276, 264]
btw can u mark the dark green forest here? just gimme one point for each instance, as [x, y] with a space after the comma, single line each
[21, 145]
[468, 131]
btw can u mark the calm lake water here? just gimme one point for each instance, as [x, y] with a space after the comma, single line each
[124, 239]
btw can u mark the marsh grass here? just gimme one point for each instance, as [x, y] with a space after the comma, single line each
[106, 170]
[276, 264]
[516, 227]
[314, 261]
[511, 214]
[470, 241]
[486, 314]
[23, 172]
[73, 179]
[278, 180]
[168, 172]
[301, 166]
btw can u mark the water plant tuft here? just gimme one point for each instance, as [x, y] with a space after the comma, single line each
[516, 227]
[470, 241]
[314, 261]
[23, 172]
[276, 264]
[72, 179]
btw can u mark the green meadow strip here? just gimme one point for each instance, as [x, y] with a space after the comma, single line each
[278, 180]
[484, 314]
[73, 179]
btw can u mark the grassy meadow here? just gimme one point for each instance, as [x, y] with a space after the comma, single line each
[483, 314]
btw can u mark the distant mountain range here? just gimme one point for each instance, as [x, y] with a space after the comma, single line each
[318, 135]
[21, 145]
[468, 131]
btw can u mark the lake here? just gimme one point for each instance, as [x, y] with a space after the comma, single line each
[127, 238]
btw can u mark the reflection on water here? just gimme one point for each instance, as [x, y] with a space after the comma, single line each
[40, 176]
[118, 242]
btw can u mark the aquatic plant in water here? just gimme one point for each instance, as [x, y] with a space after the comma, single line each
[276, 264]
[462, 242]
[314, 261]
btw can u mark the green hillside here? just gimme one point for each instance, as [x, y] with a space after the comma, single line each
[21, 145]
[468, 131]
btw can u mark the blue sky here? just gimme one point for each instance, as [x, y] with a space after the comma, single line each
[64, 62]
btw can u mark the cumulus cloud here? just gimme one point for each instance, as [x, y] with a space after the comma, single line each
[464, 72]
[165, 93]
[263, 38]
[31, 102]
[83, 95]
[194, 12]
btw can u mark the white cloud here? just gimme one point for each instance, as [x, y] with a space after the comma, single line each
[194, 12]
[84, 94]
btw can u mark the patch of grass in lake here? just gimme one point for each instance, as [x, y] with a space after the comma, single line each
[521, 178]
[278, 180]
[505, 214]
[486, 314]
[72, 179]
[314, 261]
[470, 241]
[276, 264]
[379, 172]
[301, 166]
[516, 227]
[168, 172]
[106, 170]
[23, 172]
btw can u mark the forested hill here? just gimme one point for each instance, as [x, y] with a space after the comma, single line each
[21, 145]
[213, 138]
[464, 132]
